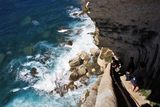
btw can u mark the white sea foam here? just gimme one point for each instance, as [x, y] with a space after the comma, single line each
[62, 30]
[74, 12]
[35, 22]
[15, 90]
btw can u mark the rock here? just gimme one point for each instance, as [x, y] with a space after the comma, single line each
[101, 59]
[75, 62]
[88, 74]
[106, 93]
[82, 70]
[74, 76]
[131, 33]
[75, 14]
[106, 54]
[84, 96]
[84, 55]
[61, 90]
[73, 69]
[84, 80]
[34, 72]
[94, 51]
[71, 86]
[91, 99]
[70, 42]
[95, 88]
[93, 70]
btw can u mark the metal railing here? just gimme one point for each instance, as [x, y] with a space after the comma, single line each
[122, 90]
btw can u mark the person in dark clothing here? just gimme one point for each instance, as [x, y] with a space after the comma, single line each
[138, 77]
[130, 68]
[115, 63]
[115, 67]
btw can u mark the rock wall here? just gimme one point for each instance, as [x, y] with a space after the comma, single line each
[130, 28]
[105, 95]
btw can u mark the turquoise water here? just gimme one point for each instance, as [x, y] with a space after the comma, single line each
[33, 33]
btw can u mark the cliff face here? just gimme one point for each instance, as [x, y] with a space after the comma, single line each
[130, 28]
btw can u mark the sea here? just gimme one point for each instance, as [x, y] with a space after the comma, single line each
[34, 34]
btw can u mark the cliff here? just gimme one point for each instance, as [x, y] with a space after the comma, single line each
[131, 28]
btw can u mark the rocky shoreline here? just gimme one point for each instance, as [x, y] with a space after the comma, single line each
[84, 66]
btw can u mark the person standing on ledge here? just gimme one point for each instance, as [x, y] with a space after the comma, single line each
[115, 63]
[138, 77]
[130, 68]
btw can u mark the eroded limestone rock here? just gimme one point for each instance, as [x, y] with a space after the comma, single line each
[94, 51]
[75, 62]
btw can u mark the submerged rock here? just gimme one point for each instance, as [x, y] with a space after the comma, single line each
[2, 56]
[28, 49]
[46, 34]
[26, 21]
[84, 96]
[75, 14]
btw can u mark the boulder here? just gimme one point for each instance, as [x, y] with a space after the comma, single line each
[70, 42]
[34, 72]
[74, 76]
[71, 86]
[88, 74]
[82, 70]
[72, 69]
[93, 70]
[84, 56]
[84, 80]
[75, 62]
[94, 51]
